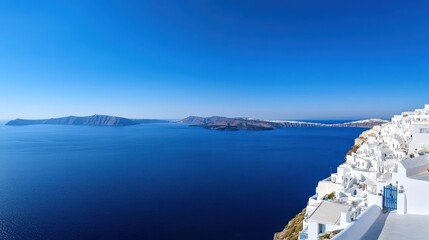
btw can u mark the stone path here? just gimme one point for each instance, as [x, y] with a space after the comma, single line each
[391, 226]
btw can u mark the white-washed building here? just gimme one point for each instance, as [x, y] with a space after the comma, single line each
[388, 169]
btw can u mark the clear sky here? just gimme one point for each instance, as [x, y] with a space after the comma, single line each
[286, 59]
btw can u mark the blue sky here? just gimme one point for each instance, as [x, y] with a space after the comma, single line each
[170, 59]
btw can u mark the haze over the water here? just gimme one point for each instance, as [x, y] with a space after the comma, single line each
[170, 59]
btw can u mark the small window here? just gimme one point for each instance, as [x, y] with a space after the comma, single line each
[322, 228]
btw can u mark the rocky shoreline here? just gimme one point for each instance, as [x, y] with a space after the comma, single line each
[94, 120]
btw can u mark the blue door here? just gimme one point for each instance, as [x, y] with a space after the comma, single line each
[390, 194]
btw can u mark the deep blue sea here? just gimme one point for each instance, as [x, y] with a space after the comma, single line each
[159, 181]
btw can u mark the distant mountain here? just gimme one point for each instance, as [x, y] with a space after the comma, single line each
[231, 124]
[94, 120]
[234, 124]
[368, 123]
[214, 123]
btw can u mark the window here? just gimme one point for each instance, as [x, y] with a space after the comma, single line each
[322, 228]
[424, 130]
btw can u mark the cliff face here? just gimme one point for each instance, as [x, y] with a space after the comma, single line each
[95, 120]
[368, 123]
[292, 229]
[229, 124]
[234, 124]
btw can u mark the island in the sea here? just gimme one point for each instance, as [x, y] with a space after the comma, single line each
[213, 123]
[239, 123]
[94, 120]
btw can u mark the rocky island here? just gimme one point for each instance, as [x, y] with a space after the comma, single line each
[94, 120]
[213, 123]
[235, 124]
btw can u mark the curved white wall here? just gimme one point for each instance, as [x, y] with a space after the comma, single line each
[361, 225]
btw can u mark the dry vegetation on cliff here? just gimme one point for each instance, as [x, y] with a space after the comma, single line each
[292, 229]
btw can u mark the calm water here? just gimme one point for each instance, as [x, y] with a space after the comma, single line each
[159, 181]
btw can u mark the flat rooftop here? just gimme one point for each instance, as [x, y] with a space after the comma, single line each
[391, 226]
[419, 163]
[328, 213]
[421, 176]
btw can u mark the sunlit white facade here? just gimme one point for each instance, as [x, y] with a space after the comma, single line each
[393, 156]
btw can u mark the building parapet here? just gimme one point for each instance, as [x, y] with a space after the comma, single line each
[361, 225]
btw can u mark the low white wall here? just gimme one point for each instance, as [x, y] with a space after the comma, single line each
[361, 225]
[326, 187]
[374, 199]
[330, 228]
[312, 200]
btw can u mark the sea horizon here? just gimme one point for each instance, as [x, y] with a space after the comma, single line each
[214, 120]
[230, 173]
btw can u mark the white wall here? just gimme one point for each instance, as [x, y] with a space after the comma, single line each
[313, 231]
[341, 172]
[330, 228]
[416, 195]
[326, 187]
[374, 199]
[361, 225]
[401, 204]
[419, 139]
[415, 192]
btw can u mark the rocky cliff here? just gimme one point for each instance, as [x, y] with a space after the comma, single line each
[368, 123]
[292, 229]
[234, 124]
[94, 120]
